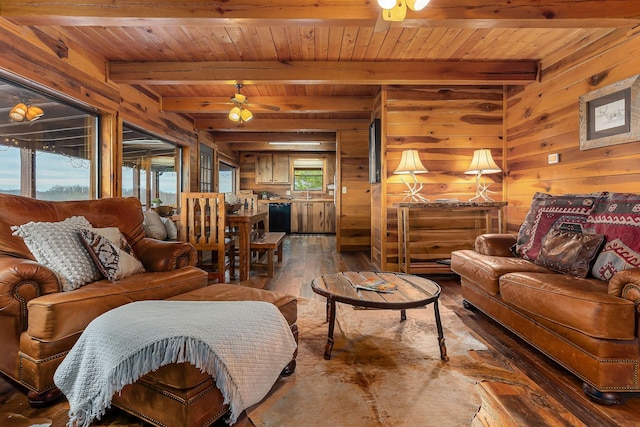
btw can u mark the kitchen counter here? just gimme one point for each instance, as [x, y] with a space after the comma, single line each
[296, 200]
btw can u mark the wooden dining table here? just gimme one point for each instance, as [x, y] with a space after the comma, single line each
[244, 221]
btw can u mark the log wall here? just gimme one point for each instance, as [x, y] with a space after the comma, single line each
[445, 125]
[543, 118]
[354, 206]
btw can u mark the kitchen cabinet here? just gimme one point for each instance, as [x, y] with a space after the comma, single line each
[313, 217]
[272, 169]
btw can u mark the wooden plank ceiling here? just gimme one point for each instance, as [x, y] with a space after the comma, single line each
[320, 62]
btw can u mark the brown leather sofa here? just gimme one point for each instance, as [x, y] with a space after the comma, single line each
[38, 322]
[588, 325]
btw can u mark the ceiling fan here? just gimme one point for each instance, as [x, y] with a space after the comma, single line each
[396, 11]
[240, 112]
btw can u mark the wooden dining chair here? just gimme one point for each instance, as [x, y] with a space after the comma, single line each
[202, 223]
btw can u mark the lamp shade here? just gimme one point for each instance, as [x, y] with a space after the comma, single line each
[387, 4]
[410, 163]
[482, 163]
[246, 115]
[417, 4]
[235, 114]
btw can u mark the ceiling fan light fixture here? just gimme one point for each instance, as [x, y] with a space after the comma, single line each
[235, 114]
[34, 113]
[387, 4]
[18, 112]
[239, 98]
[246, 115]
[417, 5]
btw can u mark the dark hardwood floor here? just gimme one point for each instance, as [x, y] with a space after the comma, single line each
[546, 388]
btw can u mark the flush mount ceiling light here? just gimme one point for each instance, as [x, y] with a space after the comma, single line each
[21, 111]
[396, 10]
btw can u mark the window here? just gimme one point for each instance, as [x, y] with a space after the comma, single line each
[308, 175]
[206, 168]
[151, 167]
[226, 178]
[51, 157]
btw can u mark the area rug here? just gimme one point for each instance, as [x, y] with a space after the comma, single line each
[383, 372]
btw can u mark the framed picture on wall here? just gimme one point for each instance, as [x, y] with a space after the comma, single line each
[610, 115]
[375, 145]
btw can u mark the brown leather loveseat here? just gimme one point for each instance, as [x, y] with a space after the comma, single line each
[568, 284]
[39, 323]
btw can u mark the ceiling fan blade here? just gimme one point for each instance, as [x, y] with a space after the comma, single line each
[267, 107]
[381, 24]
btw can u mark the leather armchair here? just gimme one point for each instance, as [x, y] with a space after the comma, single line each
[38, 322]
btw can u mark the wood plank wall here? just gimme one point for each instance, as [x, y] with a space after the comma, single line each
[445, 125]
[354, 225]
[543, 118]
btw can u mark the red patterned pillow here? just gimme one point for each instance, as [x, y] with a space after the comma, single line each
[547, 212]
[617, 216]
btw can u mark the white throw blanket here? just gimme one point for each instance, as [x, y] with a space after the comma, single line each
[244, 345]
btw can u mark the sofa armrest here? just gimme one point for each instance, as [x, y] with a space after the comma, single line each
[22, 280]
[158, 255]
[495, 244]
[626, 284]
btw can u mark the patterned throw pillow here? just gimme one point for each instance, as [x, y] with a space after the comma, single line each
[113, 257]
[549, 212]
[58, 246]
[617, 216]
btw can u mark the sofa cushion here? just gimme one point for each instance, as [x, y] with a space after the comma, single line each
[547, 212]
[123, 213]
[580, 304]
[287, 304]
[113, 256]
[487, 269]
[569, 252]
[617, 215]
[58, 245]
[153, 225]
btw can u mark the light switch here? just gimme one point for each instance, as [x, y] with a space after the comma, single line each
[344, 190]
[553, 158]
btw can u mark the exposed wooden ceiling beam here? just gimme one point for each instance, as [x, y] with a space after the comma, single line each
[281, 125]
[441, 13]
[324, 72]
[287, 104]
[246, 137]
[264, 146]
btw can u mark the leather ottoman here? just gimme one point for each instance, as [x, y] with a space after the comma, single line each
[179, 394]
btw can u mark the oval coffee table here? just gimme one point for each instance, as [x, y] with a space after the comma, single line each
[412, 292]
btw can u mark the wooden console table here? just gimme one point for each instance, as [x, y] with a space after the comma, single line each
[429, 232]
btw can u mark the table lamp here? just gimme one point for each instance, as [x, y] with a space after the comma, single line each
[410, 164]
[482, 164]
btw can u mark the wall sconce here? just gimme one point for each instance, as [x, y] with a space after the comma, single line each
[21, 111]
[396, 10]
[482, 164]
[410, 164]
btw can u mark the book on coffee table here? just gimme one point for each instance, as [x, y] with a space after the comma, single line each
[376, 285]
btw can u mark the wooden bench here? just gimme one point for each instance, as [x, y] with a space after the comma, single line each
[270, 242]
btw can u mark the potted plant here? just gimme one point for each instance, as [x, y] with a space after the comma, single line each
[156, 202]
